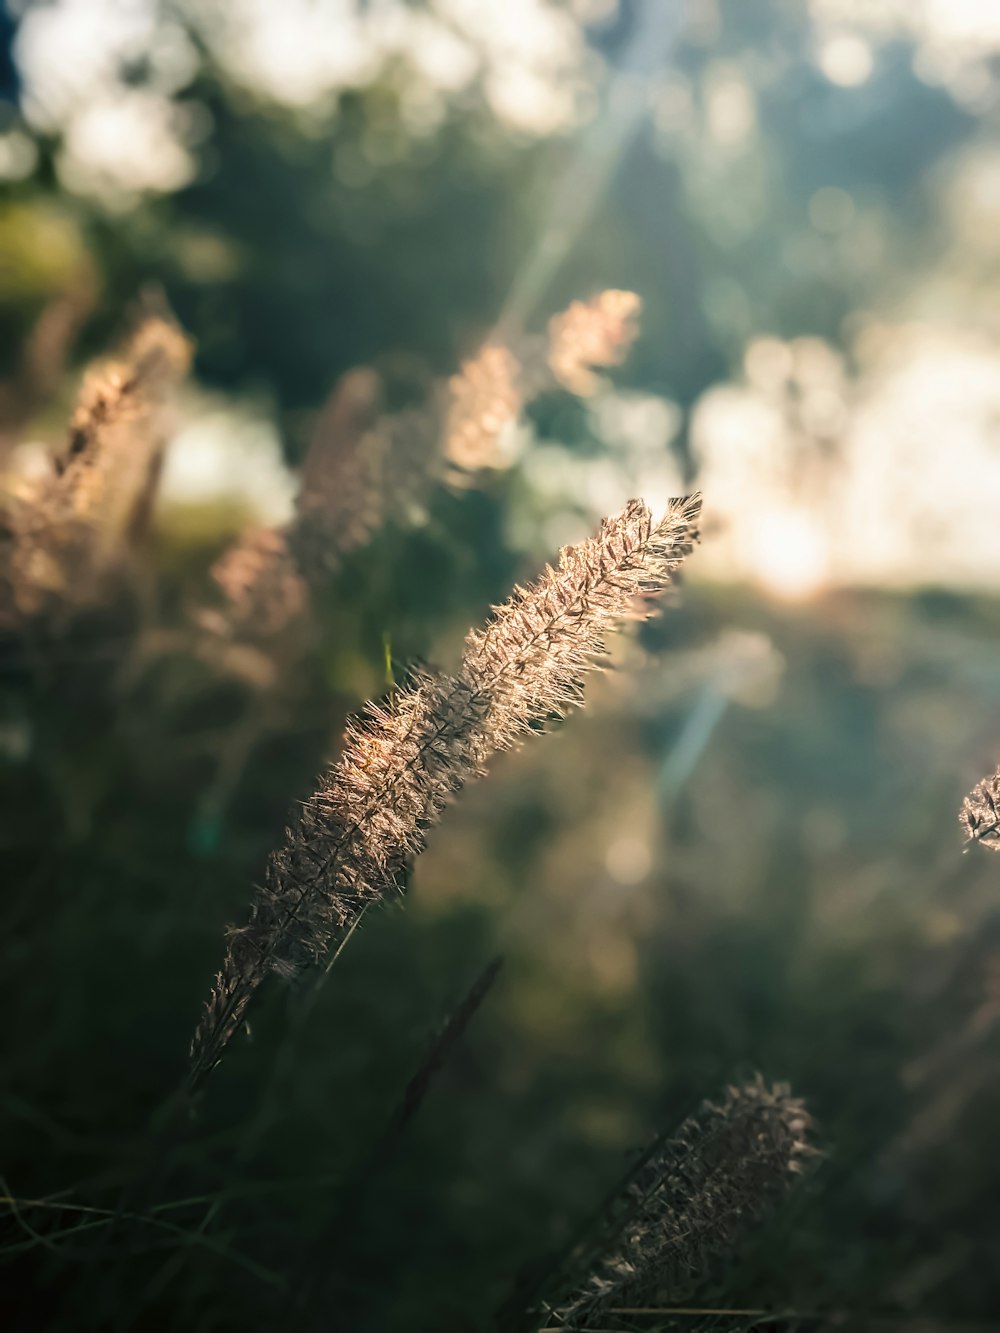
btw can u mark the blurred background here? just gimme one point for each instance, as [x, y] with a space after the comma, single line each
[744, 855]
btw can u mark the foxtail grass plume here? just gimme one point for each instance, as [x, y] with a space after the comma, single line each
[72, 527]
[692, 1201]
[263, 578]
[343, 477]
[404, 761]
[590, 335]
[260, 584]
[484, 398]
[492, 388]
[980, 813]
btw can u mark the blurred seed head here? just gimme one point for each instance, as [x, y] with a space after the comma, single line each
[980, 813]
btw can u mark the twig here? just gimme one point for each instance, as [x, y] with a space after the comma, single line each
[309, 1289]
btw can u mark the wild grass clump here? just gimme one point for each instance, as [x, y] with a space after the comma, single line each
[366, 463]
[70, 546]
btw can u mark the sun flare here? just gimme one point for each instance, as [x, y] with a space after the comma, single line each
[787, 554]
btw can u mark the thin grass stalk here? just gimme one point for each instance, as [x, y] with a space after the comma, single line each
[307, 1291]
